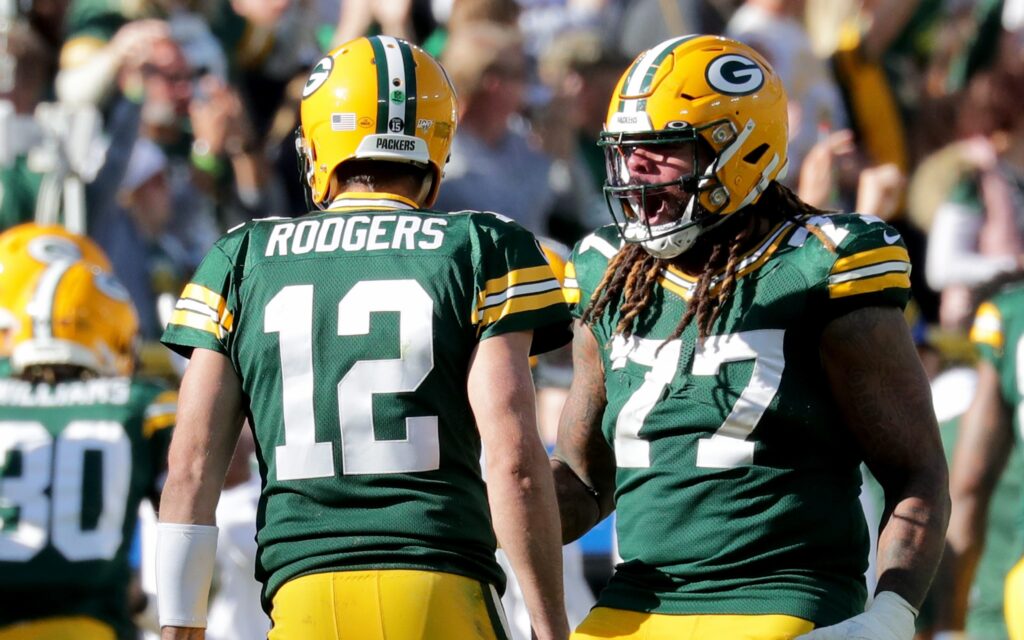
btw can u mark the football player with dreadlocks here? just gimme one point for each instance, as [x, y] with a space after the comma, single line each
[737, 355]
[376, 347]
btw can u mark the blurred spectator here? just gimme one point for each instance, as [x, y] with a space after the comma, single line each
[580, 70]
[26, 59]
[145, 257]
[978, 229]
[645, 23]
[493, 165]
[775, 28]
[463, 12]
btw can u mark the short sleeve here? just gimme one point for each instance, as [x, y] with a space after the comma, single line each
[517, 290]
[203, 317]
[987, 334]
[870, 267]
[586, 267]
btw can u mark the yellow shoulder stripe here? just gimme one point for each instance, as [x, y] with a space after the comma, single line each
[522, 304]
[872, 256]
[869, 285]
[988, 326]
[160, 412]
[186, 318]
[518, 276]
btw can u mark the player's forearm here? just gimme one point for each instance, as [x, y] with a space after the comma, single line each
[912, 537]
[578, 505]
[522, 500]
[964, 545]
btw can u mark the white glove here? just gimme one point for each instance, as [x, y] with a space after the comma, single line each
[888, 617]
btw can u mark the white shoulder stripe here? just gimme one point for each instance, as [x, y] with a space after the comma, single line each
[601, 245]
[894, 266]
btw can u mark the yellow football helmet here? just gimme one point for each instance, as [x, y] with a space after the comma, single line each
[25, 251]
[713, 97]
[62, 304]
[378, 98]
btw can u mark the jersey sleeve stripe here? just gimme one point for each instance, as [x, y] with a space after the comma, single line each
[200, 293]
[988, 326]
[870, 257]
[522, 304]
[165, 408]
[518, 291]
[869, 285]
[895, 266]
[193, 320]
[519, 276]
[156, 423]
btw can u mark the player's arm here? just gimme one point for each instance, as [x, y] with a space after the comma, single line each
[982, 449]
[519, 486]
[208, 421]
[583, 464]
[885, 400]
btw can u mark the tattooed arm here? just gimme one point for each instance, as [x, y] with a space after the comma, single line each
[884, 396]
[982, 448]
[583, 463]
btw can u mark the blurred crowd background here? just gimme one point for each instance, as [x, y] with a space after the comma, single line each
[155, 125]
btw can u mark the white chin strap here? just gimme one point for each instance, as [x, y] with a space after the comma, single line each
[667, 240]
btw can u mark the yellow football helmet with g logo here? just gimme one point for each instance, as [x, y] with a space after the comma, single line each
[26, 250]
[378, 98]
[710, 96]
[61, 304]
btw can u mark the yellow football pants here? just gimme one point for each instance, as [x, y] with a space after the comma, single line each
[68, 628]
[1013, 601]
[604, 623]
[393, 604]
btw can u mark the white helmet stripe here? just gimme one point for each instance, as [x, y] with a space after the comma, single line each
[638, 77]
[395, 74]
[40, 307]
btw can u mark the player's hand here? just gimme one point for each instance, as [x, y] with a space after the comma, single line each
[182, 633]
[889, 617]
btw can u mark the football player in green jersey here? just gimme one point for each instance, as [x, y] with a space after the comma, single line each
[988, 431]
[376, 347]
[737, 355]
[81, 443]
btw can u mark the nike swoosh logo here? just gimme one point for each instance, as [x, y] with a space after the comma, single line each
[890, 238]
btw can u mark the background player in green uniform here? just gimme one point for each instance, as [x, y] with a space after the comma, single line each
[736, 358]
[376, 347]
[81, 444]
[983, 448]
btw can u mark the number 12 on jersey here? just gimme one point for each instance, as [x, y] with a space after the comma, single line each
[290, 314]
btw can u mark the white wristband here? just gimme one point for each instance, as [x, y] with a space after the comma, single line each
[949, 635]
[185, 557]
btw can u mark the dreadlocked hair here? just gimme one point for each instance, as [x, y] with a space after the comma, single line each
[631, 275]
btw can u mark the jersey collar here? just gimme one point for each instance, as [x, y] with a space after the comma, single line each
[683, 284]
[363, 201]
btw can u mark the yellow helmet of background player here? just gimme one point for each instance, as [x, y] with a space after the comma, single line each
[378, 98]
[28, 249]
[75, 313]
[714, 97]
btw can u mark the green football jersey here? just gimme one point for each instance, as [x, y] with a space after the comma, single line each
[736, 484]
[352, 332]
[76, 458]
[998, 336]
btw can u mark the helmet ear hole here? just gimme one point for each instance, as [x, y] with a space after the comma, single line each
[754, 156]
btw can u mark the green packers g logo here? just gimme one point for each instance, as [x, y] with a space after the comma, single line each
[398, 96]
[318, 76]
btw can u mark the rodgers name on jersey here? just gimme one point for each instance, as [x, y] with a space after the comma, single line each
[76, 458]
[358, 402]
[739, 432]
